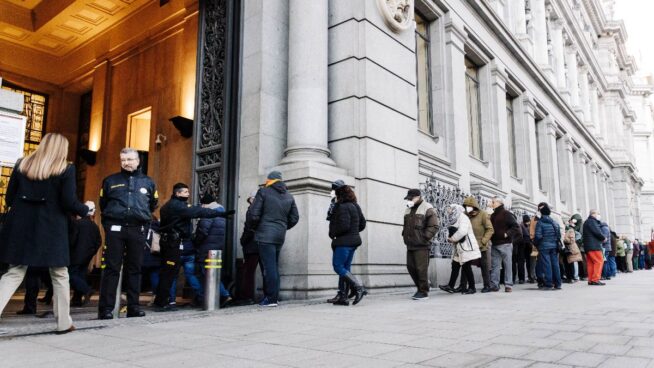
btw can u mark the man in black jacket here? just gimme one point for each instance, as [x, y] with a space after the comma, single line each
[506, 230]
[127, 200]
[273, 213]
[176, 230]
[85, 240]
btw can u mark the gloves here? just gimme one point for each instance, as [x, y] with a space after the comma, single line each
[226, 214]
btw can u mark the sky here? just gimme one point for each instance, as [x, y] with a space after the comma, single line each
[637, 15]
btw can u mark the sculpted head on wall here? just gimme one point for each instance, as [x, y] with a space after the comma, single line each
[398, 14]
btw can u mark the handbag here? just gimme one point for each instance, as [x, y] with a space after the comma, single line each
[560, 247]
[155, 246]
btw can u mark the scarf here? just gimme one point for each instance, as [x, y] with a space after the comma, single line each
[270, 182]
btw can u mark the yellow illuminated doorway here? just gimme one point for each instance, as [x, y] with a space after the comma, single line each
[138, 134]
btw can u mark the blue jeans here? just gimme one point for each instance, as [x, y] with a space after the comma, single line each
[269, 254]
[549, 260]
[342, 259]
[223, 290]
[188, 262]
[501, 254]
[153, 273]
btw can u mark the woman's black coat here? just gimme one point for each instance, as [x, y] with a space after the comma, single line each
[346, 222]
[35, 232]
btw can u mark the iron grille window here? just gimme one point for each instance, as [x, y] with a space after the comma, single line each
[474, 109]
[35, 109]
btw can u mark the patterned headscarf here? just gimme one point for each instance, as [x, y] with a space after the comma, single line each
[453, 212]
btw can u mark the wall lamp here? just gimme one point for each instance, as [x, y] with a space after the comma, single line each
[88, 156]
[184, 125]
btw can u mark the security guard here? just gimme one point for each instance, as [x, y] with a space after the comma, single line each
[127, 200]
[176, 230]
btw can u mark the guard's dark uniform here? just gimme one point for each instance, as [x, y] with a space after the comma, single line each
[175, 228]
[127, 200]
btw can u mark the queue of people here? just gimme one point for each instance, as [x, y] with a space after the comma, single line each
[540, 249]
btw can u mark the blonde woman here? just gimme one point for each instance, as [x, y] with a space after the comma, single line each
[41, 195]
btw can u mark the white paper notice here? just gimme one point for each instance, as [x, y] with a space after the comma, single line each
[12, 137]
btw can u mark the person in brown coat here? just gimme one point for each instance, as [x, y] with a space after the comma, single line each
[420, 226]
[483, 229]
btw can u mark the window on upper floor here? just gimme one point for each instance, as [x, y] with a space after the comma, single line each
[473, 106]
[423, 65]
[510, 125]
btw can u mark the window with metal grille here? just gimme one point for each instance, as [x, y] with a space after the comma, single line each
[35, 109]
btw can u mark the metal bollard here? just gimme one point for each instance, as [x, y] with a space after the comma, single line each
[212, 267]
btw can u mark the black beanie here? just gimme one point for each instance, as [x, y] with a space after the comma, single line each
[545, 210]
[207, 198]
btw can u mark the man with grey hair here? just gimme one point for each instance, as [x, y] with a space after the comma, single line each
[506, 229]
[127, 200]
[592, 239]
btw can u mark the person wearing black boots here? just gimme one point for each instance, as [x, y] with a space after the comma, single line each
[465, 250]
[346, 221]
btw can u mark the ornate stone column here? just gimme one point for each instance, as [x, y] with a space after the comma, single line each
[307, 82]
[594, 109]
[552, 169]
[517, 8]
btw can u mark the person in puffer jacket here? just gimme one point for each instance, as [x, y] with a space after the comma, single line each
[466, 250]
[548, 233]
[210, 235]
[345, 223]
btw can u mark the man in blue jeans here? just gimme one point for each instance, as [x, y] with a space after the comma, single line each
[506, 229]
[273, 213]
[547, 237]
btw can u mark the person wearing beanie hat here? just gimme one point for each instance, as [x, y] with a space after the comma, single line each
[547, 239]
[273, 213]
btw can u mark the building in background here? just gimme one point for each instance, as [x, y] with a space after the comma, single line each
[536, 100]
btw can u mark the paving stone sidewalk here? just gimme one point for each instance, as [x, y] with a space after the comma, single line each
[580, 326]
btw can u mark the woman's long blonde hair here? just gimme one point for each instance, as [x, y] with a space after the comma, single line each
[48, 160]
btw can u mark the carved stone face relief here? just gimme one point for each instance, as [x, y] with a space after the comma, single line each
[398, 14]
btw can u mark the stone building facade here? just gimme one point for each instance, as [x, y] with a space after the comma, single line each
[535, 100]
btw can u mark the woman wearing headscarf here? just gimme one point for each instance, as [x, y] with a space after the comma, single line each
[465, 249]
[41, 196]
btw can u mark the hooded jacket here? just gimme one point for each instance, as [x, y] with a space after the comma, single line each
[210, 233]
[420, 226]
[273, 213]
[465, 243]
[481, 223]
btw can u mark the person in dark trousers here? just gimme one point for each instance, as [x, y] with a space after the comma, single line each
[85, 240]
[547, 237]
[345, 223]
[41, 197]
[176, 230]
[506, 230]
[210, 235]
[34, 279]
[593, 238]
[527, 247]
[273, 213]
[250, 257]
[420, 226]
[127, 200]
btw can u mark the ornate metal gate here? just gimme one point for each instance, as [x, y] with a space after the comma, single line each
[216, 128]
[442, 195]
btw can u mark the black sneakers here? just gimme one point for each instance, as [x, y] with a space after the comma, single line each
[420, 296]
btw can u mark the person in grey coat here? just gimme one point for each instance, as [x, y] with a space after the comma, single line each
[273, 213]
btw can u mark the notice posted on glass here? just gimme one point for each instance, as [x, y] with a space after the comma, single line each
[12, 137]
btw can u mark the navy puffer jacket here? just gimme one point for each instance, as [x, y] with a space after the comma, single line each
[547, 233]
[210, 235]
